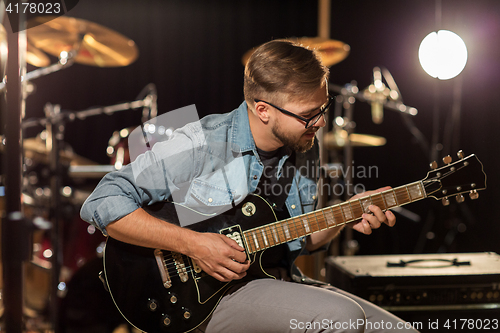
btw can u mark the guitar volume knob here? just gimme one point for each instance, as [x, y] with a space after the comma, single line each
[152, 305]
[166, 321]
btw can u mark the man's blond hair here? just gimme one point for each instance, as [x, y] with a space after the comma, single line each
[283, 70]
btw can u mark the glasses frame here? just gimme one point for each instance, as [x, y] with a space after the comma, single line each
[307, 121]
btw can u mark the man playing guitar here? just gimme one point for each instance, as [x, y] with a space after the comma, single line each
[269, 150]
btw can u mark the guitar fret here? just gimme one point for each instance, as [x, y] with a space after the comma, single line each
[256, 242]
[264, 237]
[365, 204]
[407, 191]
[306, 225]
[378, 200]
[391, 199]
[275, 234]
[416, 191]
[299, 227]
[385, 202]
[340, 215]
[402, 196]
[249, 245]
[293, 228]
[315, 226]
[287, 232]
[357, 211]
[269, 235]
[323, 224]
[347, 212]
[330, 219]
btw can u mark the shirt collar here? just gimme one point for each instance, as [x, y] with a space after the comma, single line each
[241, 135]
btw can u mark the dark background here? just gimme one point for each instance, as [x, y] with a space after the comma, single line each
[191, 50]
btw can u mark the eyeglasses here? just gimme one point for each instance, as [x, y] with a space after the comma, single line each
[309, 122]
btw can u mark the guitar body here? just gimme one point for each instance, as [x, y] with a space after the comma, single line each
[185, 299]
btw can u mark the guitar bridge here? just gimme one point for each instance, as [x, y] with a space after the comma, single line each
[162, 267]
[180, 266]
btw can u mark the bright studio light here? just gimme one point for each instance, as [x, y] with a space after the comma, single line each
[442, 54]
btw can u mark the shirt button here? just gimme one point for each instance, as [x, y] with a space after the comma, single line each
[255, 177]
[314, 197]
[210, 199]
[293, 206]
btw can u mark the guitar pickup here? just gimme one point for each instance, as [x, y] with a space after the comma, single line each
[235, 233]
[162, 267]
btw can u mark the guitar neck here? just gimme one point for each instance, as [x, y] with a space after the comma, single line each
[280, 232]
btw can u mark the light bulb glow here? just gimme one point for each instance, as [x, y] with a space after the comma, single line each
[442, 54]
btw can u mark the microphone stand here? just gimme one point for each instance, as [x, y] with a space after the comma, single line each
[347, 98]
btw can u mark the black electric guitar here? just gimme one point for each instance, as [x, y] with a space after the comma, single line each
[164, 291]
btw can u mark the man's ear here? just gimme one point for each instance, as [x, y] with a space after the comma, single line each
[262, 111]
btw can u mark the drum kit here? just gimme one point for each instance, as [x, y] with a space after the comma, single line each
[61, 244]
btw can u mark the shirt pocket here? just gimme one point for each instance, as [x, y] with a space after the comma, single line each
[210, 195]
[308, 194]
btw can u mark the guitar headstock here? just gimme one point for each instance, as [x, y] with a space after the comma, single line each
[455, 179]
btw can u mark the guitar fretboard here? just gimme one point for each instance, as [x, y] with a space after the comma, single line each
[280, 232]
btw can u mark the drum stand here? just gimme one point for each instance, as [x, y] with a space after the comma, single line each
[54, 123]
[15, 240]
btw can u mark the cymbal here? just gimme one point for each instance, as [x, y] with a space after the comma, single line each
[338, 139]
[330, 51]
[36, 57]
[95, 45]
[36, 149]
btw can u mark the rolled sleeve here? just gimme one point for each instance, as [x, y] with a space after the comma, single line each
[147, 180]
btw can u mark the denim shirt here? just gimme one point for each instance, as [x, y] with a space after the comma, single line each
[205, 165]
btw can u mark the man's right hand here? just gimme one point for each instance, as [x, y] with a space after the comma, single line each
[219, 256]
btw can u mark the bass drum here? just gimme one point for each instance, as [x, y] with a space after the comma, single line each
[87, 307]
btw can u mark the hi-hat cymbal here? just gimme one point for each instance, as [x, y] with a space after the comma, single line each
[339, 139]
[330, 51]
[95, 45]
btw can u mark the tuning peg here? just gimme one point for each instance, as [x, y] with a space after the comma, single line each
[433, 165]
[473, 195]
[460, 154]
[445, 201]
[460, 198]
[447, 159]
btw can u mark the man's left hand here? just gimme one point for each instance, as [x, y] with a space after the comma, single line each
[377, 216]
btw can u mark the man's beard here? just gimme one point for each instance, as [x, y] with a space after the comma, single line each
[291, 142]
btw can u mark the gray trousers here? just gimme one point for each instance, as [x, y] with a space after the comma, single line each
[268, 305]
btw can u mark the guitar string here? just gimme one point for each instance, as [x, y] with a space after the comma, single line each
[402, 193]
